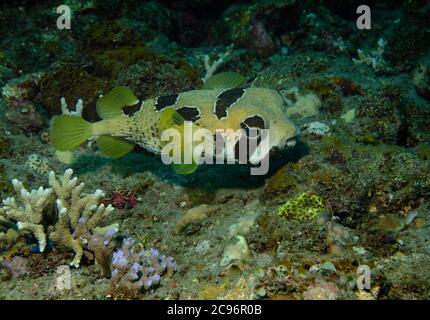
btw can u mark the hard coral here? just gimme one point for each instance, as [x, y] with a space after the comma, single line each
[136, 272]
[76, 220]
[301, 208]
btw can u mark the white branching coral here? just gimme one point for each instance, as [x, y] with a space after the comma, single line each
[77, 215]
[28, 210]
[339, 44]
[78, 108]
[375, 59]
[212, 67]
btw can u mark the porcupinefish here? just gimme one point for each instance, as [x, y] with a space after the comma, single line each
[220, 105]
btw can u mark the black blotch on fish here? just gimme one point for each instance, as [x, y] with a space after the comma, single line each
[189, 113]
[251, 146]
[130, 110]
[254, 122]
[166, 101]
[225, 100]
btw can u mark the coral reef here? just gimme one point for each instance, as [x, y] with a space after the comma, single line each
[359, 97]
[211, 67]
[4, 147]
[258, 27]
[27, 209]
[76, 220]
[316, 128]
[79, 216]
[136, 272]
[38, 164]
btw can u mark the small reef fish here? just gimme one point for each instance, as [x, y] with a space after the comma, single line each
[220, 105]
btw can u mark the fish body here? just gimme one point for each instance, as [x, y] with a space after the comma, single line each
[258, 107]
[126, 122]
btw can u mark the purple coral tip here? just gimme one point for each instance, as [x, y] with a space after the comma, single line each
[82, 219]
[154, 252]
[156, 278]
[119, 259]
[110, 232]
[148, 283]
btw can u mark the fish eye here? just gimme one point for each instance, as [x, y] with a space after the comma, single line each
[255, 122]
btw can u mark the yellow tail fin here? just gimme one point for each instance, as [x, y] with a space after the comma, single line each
[68, 132]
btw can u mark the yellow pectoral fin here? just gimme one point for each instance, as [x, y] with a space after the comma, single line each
[185, 168]
[114, 147]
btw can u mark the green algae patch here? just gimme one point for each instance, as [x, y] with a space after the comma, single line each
[4, 148]
[5, 185]
[301, 208]
[423, 151]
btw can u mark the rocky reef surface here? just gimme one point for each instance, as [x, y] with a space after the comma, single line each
[352, 195]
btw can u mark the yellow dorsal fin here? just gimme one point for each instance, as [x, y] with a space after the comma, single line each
[170, 118]
[111, 104]
[224, 80]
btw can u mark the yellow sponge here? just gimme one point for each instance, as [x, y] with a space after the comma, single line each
[302, 207]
